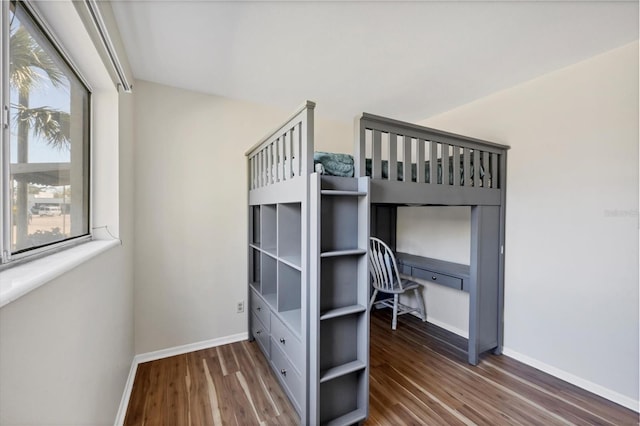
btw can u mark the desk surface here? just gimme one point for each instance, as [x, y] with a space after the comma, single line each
[436, 265]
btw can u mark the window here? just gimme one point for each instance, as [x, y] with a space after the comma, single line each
[45, 193]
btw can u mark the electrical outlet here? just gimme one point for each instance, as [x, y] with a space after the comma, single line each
[240, 307]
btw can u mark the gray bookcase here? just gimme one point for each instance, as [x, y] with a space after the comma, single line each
[339, 321]
[308, 297]
[277, 279]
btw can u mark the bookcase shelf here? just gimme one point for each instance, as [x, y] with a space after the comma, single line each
[347, 252]
[347, 310]
[341, 370]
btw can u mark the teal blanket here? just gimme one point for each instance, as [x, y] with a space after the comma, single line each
[333, 164]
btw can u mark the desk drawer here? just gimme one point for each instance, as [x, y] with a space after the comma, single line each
[437, 278]
[404, 269]
[287, 342]
[287, 374]
[260, 308]
[261, 334]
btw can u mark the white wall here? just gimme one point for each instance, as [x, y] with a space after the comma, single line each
[441, 233]
[66, 348]
[191, 211]
[571, 284]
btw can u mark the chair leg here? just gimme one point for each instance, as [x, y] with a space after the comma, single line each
[395, 312]
[373, 298]
[421, 304]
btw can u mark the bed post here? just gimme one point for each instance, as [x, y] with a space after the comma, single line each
[484, 292]
[359, 147]
[502, 176]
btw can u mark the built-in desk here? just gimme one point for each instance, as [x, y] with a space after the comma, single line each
[483, 305]
[482, 278]
[449, 274]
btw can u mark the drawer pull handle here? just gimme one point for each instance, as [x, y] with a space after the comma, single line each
[282, 340]
[434, 278]
[283, 372]
[259, 331]
[258, 308]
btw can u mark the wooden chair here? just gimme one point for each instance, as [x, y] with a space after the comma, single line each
[386, 279]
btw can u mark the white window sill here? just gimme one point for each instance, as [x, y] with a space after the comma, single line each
[21, 279]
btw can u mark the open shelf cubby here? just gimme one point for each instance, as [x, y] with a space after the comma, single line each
[254, 268]
[254, 220]
[344, 399]
[289, 288]
[339, 219]
[338, 275]
[342, 342]
[269, 275]
[268, 228]
[290, 233]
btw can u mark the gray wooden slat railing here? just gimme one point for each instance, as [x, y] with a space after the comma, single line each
[284, 154]
[452, 159]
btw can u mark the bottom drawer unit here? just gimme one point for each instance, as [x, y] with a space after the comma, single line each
[260, 308]
[261, 334]
[287, 375]
[437, 278]
[286, 340]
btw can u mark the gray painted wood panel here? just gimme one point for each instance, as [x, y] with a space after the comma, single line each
[445, 164]
[392, 155]
[421, 178]
[406, 159]
[413, 193]
[484, 291]
[456, 166]
[433, 163]
[466, 166]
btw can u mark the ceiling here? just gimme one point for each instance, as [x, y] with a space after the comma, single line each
[406, 59]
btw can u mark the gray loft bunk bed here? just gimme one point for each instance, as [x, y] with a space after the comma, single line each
[308, 238]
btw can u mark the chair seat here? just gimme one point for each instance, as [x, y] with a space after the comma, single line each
[406, 285]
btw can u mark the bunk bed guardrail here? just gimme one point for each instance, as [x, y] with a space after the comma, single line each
[427, 155]
[285, 153]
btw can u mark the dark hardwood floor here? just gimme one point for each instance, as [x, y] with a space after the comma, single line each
[419, 376]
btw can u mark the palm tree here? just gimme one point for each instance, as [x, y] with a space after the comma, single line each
[30, 68]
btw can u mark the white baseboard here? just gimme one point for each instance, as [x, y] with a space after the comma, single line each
[126, 395]
[444, 325]
[599, 390]
[165, 353]
[190, 347]
[448, 327]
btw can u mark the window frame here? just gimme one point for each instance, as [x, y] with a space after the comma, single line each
[7, 258]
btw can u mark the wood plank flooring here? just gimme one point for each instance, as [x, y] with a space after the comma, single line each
[226, 385]
[419, 376]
